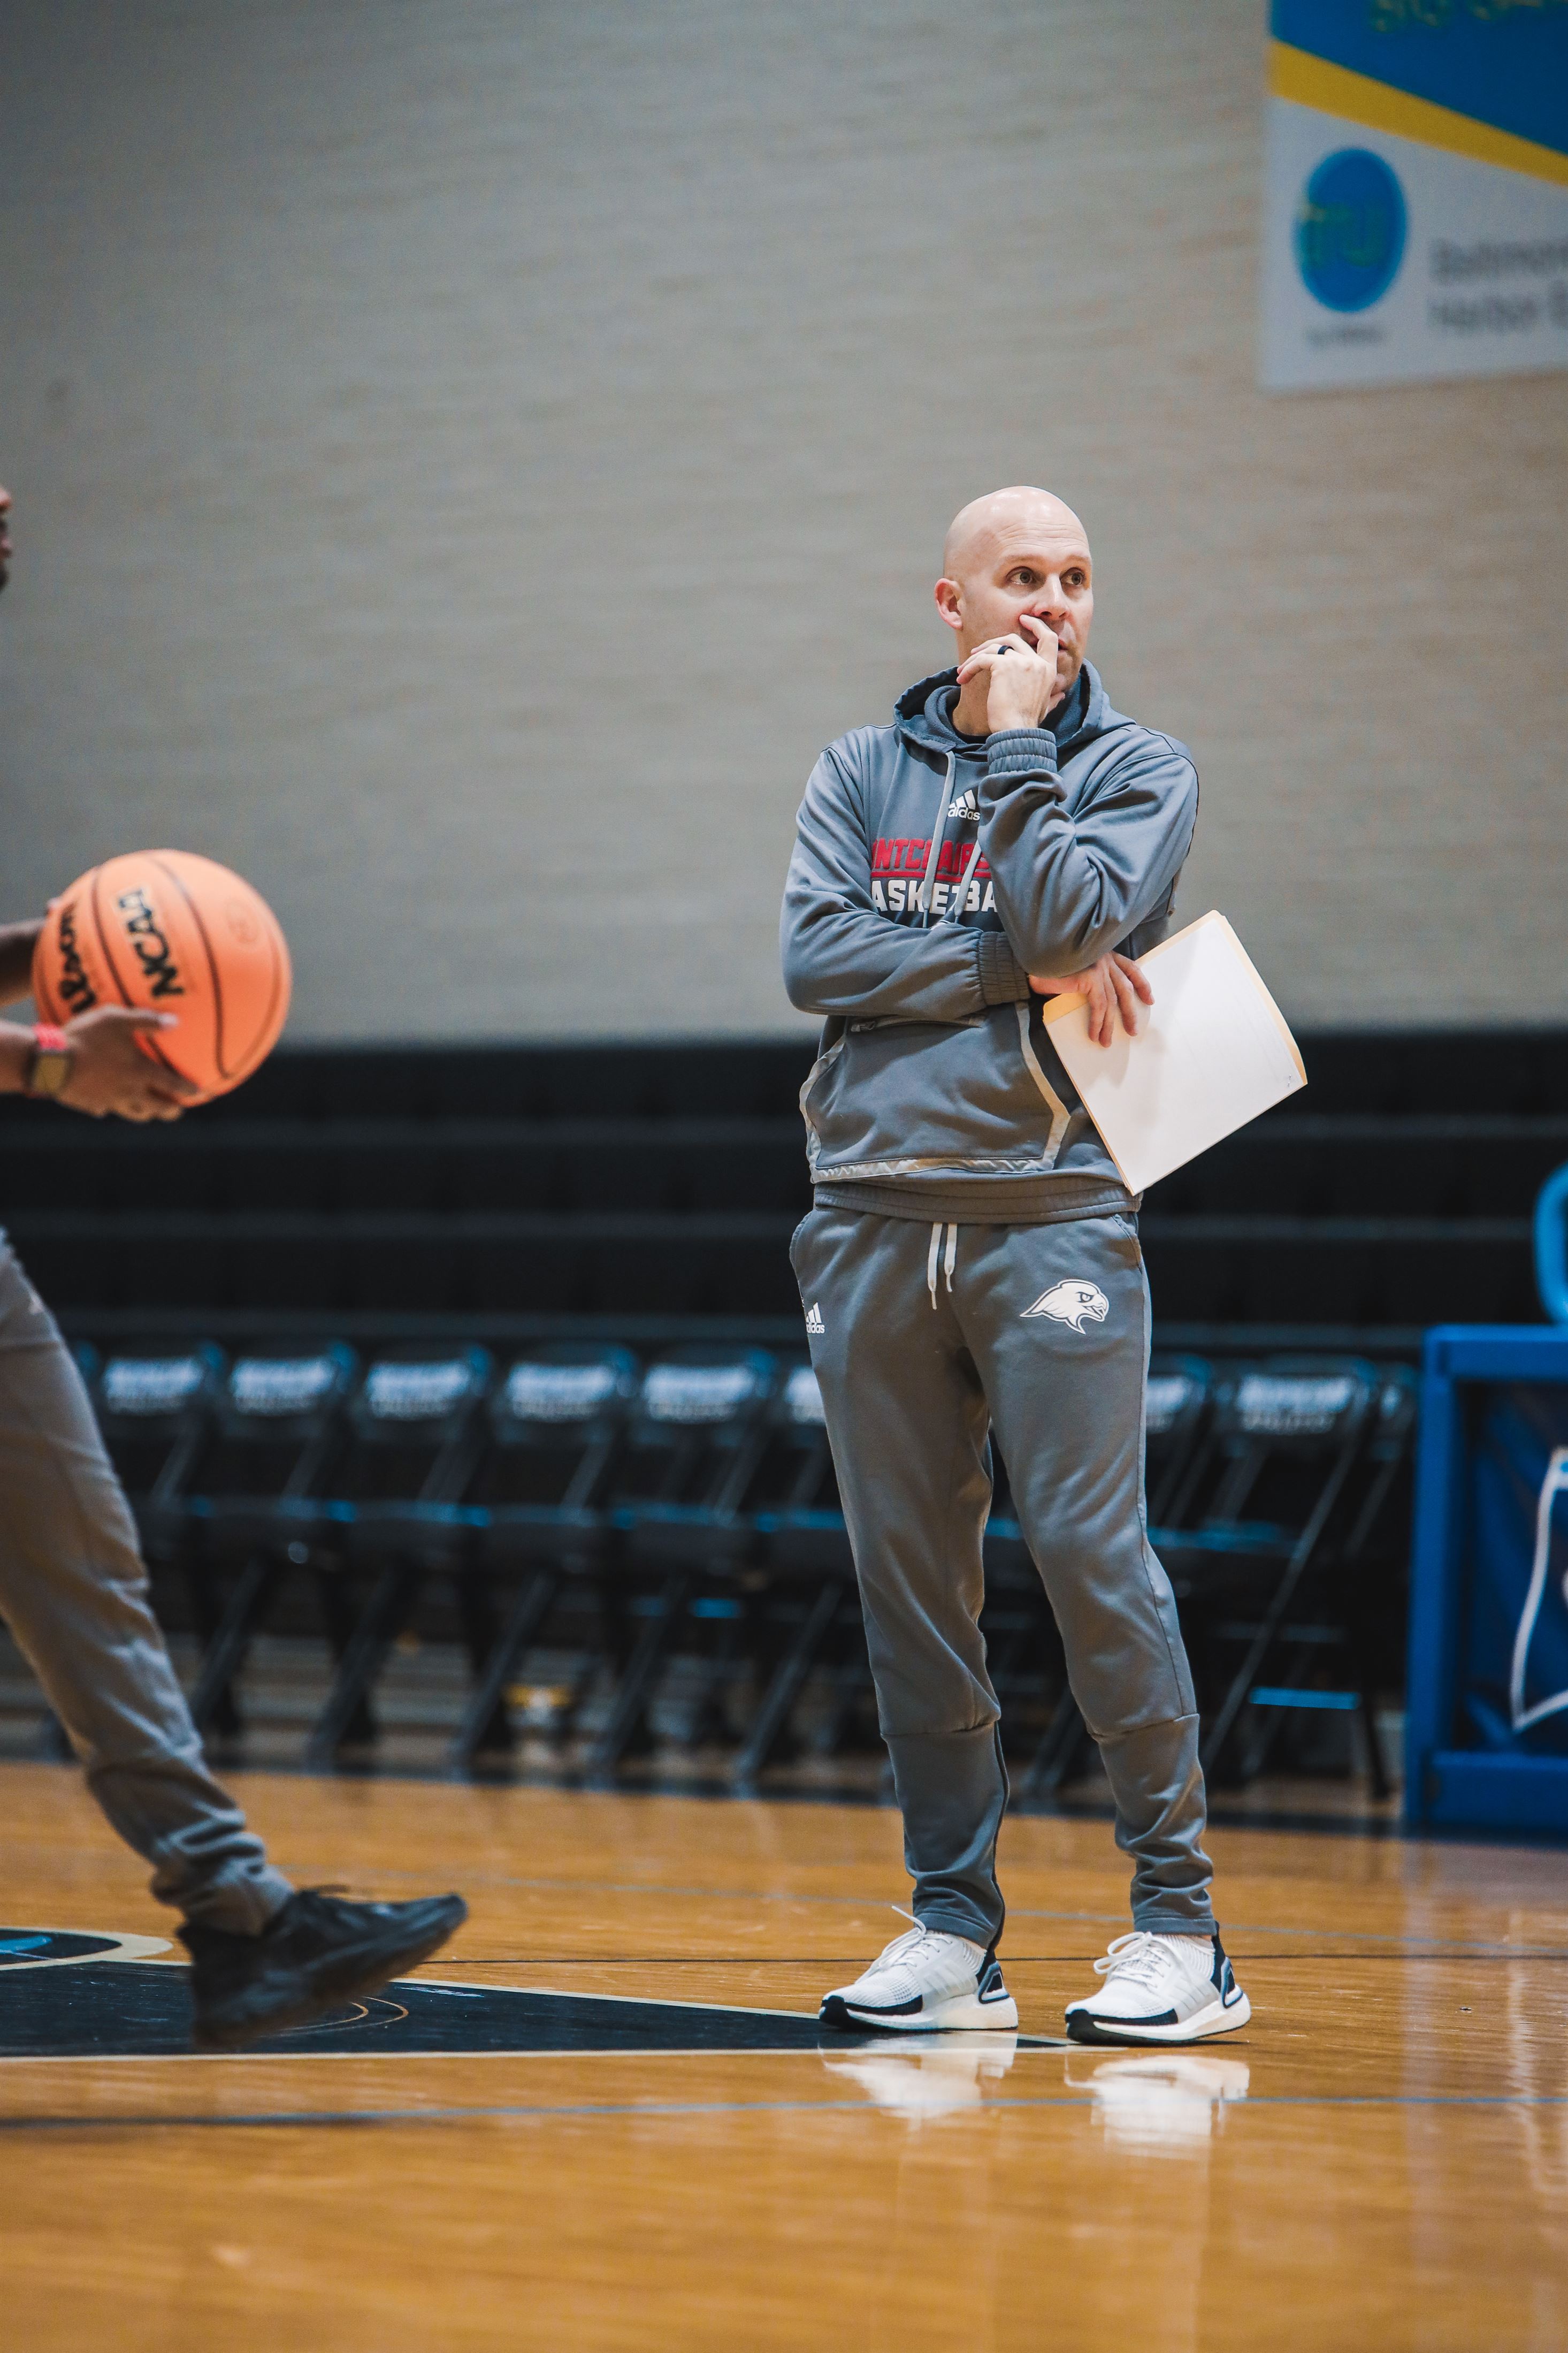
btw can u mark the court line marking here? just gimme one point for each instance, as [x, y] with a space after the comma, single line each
[319, 2117]
[650, 2001]
[846, 1960]
[880, 1903]
[707, 1789]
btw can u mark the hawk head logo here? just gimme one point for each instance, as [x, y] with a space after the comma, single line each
[1070, 1302]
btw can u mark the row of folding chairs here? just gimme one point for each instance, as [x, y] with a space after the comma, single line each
[1277, 1502]
[694, 1499]
[574, 1464]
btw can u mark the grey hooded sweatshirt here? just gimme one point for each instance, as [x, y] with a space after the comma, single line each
[932, 872]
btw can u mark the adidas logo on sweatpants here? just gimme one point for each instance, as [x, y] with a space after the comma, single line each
[814, 1323]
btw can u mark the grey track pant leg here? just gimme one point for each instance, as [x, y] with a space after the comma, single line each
[73, 1591]
[910, 1391]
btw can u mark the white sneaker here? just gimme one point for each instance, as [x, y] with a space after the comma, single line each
[1161, 1989]
[925, 1982]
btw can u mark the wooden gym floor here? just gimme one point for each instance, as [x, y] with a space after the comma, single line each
[1380, 2160]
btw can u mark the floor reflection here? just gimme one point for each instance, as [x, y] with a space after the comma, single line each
[936, 2080]
[1158, 2103]
[1161, 2102]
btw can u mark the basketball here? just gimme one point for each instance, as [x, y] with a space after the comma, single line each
[171, 933]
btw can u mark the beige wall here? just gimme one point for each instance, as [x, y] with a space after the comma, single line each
[469, 455]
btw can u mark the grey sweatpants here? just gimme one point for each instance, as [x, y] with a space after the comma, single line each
[73, 1591]
[928, 1337]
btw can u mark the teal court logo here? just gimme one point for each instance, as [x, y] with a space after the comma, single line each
[1350, 231]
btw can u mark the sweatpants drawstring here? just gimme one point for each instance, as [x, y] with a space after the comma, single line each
[949, 1260]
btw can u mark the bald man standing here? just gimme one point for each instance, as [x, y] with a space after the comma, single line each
[972, 1260]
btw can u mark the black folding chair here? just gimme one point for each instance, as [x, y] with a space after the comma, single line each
[1346, 1611]
[804, 1553]
[1179, 1437]
[154, 1411]
[694, 1440]
[415, 1437]
[1179, 1448]
[1287, 1434]
[252, 1509]
[556, 1424]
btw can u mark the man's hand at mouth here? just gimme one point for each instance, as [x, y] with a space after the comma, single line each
[1112, 985]
[1021, 673]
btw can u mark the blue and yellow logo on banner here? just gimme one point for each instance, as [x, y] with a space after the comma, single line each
[1417, 199]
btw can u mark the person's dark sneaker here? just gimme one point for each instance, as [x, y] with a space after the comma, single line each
[318, 1950]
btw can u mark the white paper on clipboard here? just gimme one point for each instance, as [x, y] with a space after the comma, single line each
[1214, 1052]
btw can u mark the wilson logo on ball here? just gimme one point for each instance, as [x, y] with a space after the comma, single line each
[76, 991]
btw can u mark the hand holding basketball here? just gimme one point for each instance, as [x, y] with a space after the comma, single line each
[161, 933]
[110, 1072]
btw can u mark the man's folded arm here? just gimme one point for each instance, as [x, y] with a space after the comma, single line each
[843, 956]
[1068, 889]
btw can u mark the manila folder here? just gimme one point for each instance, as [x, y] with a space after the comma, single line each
[1211, 1053]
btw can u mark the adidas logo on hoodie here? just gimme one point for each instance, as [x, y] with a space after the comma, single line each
[966, 809]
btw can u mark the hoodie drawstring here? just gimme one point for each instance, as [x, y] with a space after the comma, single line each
[939, 833]
[948, 1259]
[955, 904]
[938, 836]
[954, 907]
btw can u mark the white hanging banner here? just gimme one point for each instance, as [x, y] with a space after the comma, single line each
[1416, 206]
